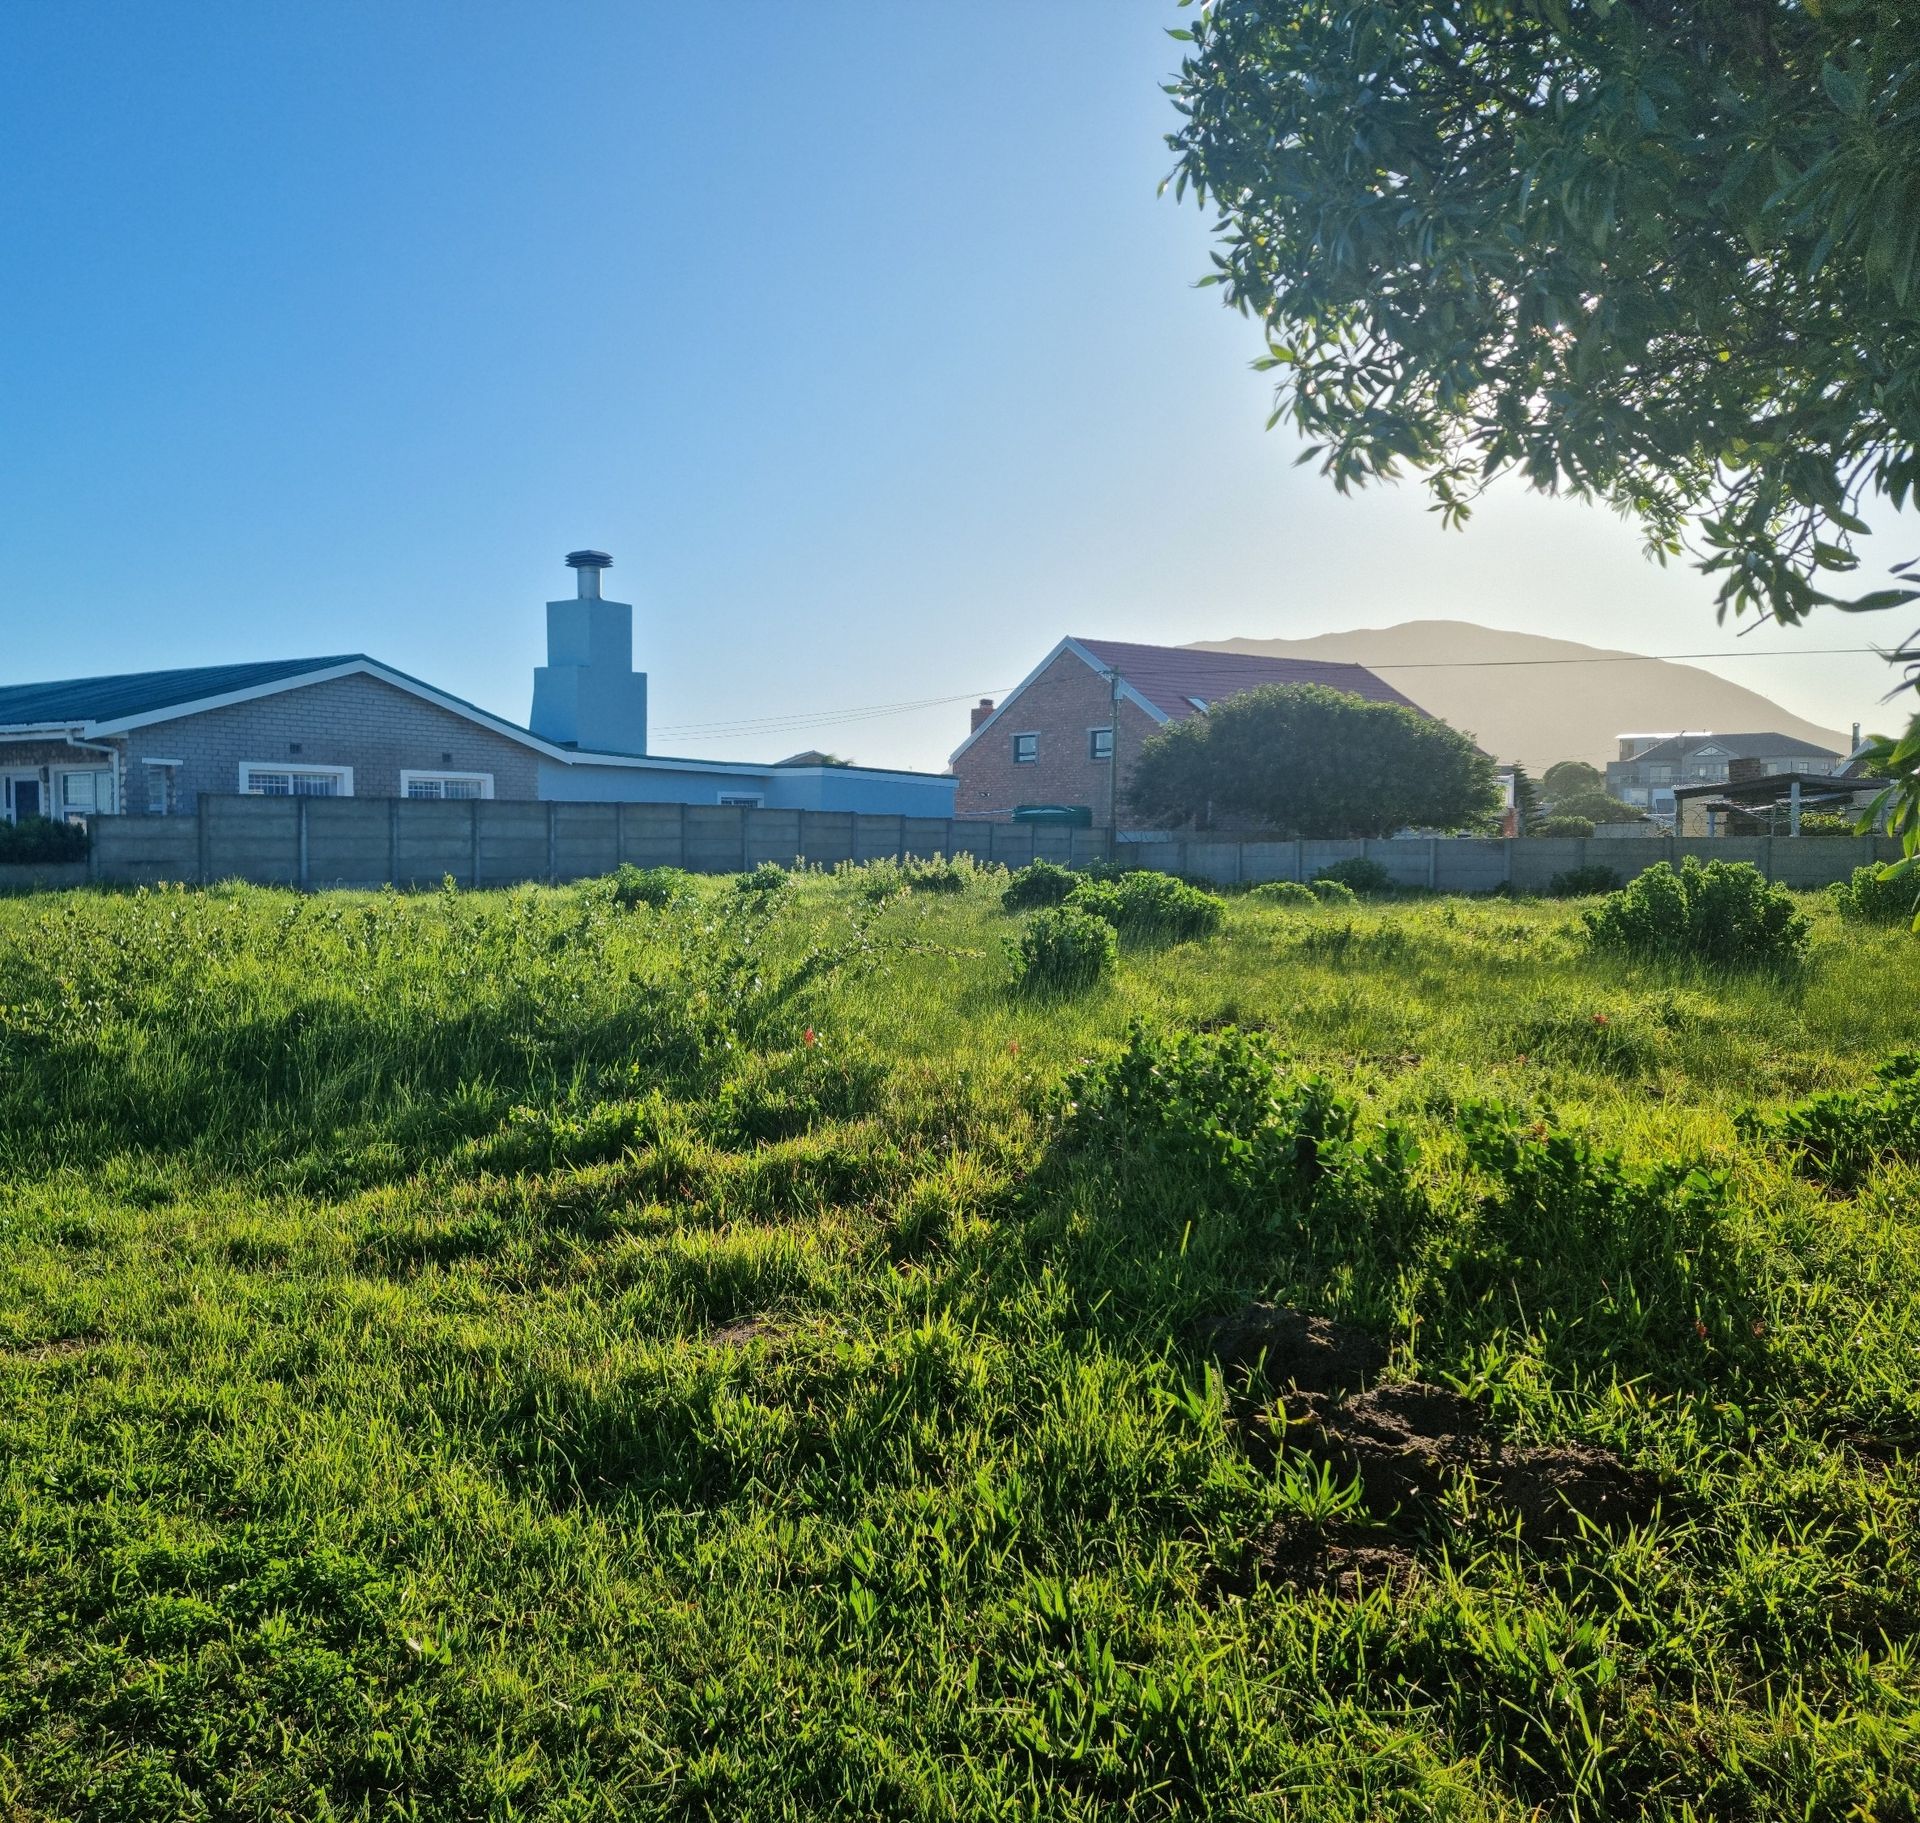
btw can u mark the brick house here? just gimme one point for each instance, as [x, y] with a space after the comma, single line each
[153, 743]
[1067, 735]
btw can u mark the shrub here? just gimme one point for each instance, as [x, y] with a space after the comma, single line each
[1723, 913]
[768, 877]
[1283, 892]
[1041, 883]
[1246, 1137]
[941, 873]
[1840, 1137]
[655, 886]
[1580, 827]
[1359, 875]
[42, 839]
[1334, 892]
[1063, 951]
[1829, 823]
[1873, 897]
[1150, 907]
[1583, 882]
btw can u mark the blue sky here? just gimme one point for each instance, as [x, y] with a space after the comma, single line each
[856, 333]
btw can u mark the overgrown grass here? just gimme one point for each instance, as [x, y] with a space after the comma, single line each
[523, 1355]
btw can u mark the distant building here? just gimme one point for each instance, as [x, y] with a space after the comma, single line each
[1651, 766]
[1068, 734]
[1756, 800]
[152, 742]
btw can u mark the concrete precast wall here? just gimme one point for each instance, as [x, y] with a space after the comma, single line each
[367, 842]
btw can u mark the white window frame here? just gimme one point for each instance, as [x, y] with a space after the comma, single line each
[249, 767]
[741, 800]
[1033, 758]
[439, 775]
[1094, 755]
[105, 799]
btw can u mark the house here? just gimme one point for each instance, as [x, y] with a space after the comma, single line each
[1756, 800]
[1651, 766]
[1067, 734]
[152, 743]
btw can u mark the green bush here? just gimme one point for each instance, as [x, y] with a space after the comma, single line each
[1840, 1138]
[1063, 951]
[1583, 882]
[1220, 1122]
[1359, 874]
[1283, 892]
[1724, 913]
[655, 886]
[1150, 907]
[1040, 883]
[768, 877]
[1580, 827]
[42, 839]
[1334, 892]
[942, 873]
[1873, 897]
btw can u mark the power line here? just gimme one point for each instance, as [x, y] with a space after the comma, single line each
[801, 720]
[1623, 658]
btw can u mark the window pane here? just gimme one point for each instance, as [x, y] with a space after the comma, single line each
[423, 788]
[270, 784]
[315, 785]
[460, 788]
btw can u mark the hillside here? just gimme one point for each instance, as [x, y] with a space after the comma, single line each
[1539, 713]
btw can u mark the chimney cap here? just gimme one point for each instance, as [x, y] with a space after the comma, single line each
[589, 560]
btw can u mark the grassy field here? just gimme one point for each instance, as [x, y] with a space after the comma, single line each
[509, 1356]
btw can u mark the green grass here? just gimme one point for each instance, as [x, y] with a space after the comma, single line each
[508, 1356]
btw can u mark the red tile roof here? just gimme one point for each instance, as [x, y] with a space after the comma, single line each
[1170, 676]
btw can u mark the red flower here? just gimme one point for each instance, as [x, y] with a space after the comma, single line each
[1013, 1047]
[806, 1037]
[1600, 1019]
[1699, 1329]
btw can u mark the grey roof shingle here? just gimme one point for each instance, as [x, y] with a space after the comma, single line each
[75, 700]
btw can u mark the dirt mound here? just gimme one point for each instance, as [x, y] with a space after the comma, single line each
[1340, 1561]
[1407, 1442]
[1289, 1348]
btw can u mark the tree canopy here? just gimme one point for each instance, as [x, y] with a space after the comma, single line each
[1302, 760]
[1566, 777]
[1660, 253]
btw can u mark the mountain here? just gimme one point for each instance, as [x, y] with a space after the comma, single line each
[1537, 713]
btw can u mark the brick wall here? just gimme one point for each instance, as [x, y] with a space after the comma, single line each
[349, 721]
[1061, 705]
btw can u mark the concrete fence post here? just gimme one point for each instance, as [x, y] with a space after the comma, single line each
[303, 872]
[473, 842]
[203, 859]
[393, 841]
[1433, 863]
[553, 846]
[680, 860]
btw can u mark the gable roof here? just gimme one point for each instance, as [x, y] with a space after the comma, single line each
[96, 706]
[1172, 683]
[1734, 746]
[1173, 678]
[76, 700]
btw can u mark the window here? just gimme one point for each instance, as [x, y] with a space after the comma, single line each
[1026, 749]
[1659, 772]
[260, 780]
[742, 800]
[85, 794]
[446, 784]
[1099, 743]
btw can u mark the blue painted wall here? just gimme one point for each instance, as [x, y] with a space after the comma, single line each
[908, 794]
